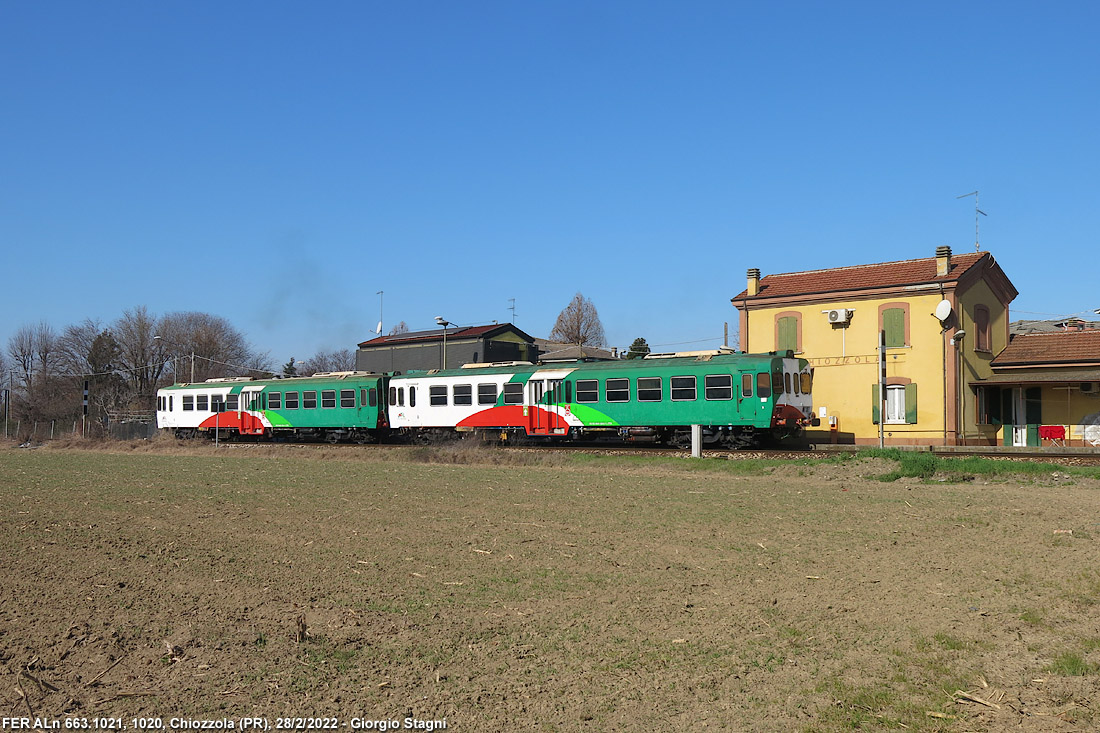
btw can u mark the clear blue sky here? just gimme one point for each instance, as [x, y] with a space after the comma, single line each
[279, 163]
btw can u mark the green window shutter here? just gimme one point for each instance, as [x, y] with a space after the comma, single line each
[893, 322]
[788, 334]
[876, 404]
[911, 404]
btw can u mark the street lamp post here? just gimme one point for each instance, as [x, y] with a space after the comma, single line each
[440, 320]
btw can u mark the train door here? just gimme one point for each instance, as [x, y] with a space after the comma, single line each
[252, 404]
[536, 422]
[746, 396]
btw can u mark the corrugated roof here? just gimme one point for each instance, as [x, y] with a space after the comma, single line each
[458, 332]
[863, 277]
[1060, 347]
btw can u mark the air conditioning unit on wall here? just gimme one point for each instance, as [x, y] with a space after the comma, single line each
[839, 315]
[1090, 388]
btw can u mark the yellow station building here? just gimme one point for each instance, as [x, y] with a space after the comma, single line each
[945, 318]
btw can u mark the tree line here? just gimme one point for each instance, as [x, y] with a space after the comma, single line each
[44, 370]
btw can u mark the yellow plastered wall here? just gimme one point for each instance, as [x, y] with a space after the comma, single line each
[845, 362]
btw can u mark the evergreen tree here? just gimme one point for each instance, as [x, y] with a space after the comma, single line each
[638, 349]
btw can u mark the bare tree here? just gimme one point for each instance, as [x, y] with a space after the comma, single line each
[21, 350]
[579, 323]
[400, 328]
[140, 360]
[75, 344]
[342, 360]
[219, 349]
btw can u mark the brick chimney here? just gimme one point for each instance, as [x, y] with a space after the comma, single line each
[754, 280]
[943, 261]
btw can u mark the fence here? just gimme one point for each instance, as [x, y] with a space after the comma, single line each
[120, 426]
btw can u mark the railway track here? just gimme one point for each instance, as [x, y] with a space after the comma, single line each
[1078, 456]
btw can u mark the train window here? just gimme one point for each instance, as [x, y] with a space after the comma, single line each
[232, 402]
[275, 400]
[309, 399]
[588, 390]
[328, 398]
[393, 396]
[763, 385]
[216, 403]
[617, 390]
[437, 395]
[777, 381]
[412, 396]
[568, 392]
[160, 403]
[787, 382]
[290, 401]
[746, 385]
[347, 398]
[718, 386]
[372, 397]
[170, 399]
[188, 403]
[202, 402]
[513, 393]
[463, 394]
[794, 381]
[683, 389]
[401, 396]
[807, 382]
[487, 394]
[649, 389]
[555, 391]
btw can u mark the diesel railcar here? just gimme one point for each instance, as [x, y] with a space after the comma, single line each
[738, 399]
[333, 406]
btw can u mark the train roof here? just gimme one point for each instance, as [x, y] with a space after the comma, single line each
[651, 361]
[318, 378]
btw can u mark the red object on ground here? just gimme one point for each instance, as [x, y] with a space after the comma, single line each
[1052, 432]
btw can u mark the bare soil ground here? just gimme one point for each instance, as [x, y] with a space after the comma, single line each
[534, 592]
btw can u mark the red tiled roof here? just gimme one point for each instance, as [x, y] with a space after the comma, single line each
[861, 277]
[1058, 347]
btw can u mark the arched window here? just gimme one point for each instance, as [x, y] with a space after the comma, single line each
[981, 326]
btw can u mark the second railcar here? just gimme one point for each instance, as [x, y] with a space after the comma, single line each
[738, 399]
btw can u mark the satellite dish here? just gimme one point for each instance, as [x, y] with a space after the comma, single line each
[943, 310]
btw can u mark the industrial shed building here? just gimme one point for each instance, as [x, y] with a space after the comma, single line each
[445, 348]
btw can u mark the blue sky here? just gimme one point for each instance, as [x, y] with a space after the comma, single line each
[279, 163]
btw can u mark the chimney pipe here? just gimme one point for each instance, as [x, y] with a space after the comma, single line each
[943, 261]
[754, 281]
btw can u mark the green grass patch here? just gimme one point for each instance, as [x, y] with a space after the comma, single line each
[1071, 664]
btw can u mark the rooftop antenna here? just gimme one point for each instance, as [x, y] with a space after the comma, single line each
[513, 309]
[977, 246]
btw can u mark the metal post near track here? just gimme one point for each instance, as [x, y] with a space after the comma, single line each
[696, 441]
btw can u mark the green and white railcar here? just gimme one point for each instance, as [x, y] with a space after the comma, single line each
[334, 406]
[736, 398]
